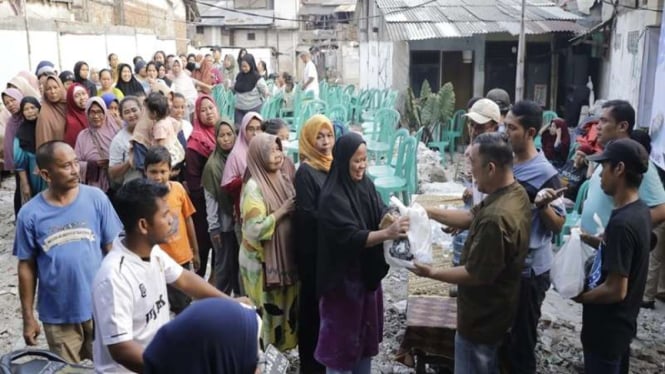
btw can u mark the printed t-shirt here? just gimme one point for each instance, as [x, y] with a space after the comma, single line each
[178, 246]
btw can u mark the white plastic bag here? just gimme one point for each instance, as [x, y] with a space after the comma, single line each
[568, 268]
[418, 247]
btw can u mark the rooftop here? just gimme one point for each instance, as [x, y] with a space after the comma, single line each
[433, 19]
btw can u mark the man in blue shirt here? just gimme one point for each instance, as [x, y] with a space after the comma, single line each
[617, 121]
[540, 179]
[60, 236]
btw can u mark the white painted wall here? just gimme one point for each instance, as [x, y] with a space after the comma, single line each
[66, 49]
[376, 64]
[622, 72]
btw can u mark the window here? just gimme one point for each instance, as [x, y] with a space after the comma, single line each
[251, 36]
[199, 30]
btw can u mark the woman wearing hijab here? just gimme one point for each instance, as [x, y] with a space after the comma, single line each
[127, 82]
[350, 261]
[200, 145]
[184, 85]
[267, 256]
[77, 120]
[53, 115]
[229, 72]
[555, 140]
[81, 72]
[280, 129]
[217, 336]
[219, 208]
[250, 88]
[113, 105]
[24, 151]
[315, 144]
[234, 172]
[241, 53]
[207, 76]
[93, 143]
[11, 98]
[24, 84]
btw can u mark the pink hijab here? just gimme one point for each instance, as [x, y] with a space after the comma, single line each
[237, 162]
[10, 128]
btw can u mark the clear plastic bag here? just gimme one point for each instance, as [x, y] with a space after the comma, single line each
[568, 272]
[418, 246]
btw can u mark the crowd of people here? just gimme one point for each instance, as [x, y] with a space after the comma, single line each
[130, 185]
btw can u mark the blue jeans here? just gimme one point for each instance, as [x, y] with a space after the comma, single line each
[597, 364]
[363, 366]
[471, 358]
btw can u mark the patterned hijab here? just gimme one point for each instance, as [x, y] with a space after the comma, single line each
[276, 189]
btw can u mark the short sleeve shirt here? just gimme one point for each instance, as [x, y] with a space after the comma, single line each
[494, 253]
[119, 154]
[310, 72]
[66, 243]
[651, 192]
[130, 301]
[178, 246]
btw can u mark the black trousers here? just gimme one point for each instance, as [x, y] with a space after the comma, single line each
[227, 275]
[524, 333]
[17, 196]
[308, 316]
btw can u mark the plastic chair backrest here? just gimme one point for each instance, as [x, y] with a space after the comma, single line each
[317, 106]
[385, 124]
[458, 121]
[349, 89]
[390, 99]
[548, 116]
[581, 196]
[338, 112]
[397, 139]
[405, 163]
[419, 134]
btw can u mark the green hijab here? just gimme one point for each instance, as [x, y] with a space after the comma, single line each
[214, 169]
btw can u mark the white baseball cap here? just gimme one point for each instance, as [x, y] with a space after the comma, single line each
[483, 111]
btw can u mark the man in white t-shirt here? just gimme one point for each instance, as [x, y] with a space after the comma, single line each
[130, 302]
[310, 79]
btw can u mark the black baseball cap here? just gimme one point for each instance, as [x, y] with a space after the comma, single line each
[66, 76]
[628, 151]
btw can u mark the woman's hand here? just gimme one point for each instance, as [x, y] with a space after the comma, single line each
[287, 208]
[398, 228]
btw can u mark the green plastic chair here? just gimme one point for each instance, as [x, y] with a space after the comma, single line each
[338, 112]
[401, 181]
[385, 125]
[388, 169]
[573, 216]
[440, 141]
[456, 130]
[350, 90]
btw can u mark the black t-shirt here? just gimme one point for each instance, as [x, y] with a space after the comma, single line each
[608, 328]
[572, 178]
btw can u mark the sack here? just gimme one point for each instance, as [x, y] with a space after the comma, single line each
[568, 273]
[418, 246]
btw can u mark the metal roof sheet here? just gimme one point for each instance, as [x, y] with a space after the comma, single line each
[432, 19]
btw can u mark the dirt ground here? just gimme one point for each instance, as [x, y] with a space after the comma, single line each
[559, 348]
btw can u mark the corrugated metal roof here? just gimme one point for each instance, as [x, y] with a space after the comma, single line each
[216, 16]
[433, 19]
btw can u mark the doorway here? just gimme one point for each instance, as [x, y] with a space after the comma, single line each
[460, 74]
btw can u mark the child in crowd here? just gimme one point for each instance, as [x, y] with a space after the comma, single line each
[574, 173]
[178, 110]
[164, 130]
[182, 246]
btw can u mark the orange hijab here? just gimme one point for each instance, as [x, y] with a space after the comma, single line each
[307, 142]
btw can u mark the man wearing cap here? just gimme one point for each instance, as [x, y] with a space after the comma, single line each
[618, 275]
[484, 116]
[502, 99]
[548, 214]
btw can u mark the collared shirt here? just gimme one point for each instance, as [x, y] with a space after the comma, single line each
[494, 254]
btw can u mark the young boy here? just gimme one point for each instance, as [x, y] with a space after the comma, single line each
[129, 303]
[619, 272]
[182, 246]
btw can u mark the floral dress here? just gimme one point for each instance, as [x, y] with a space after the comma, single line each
[278, 304]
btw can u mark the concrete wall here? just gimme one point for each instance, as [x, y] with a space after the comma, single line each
[72, 43]
[621, 73]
